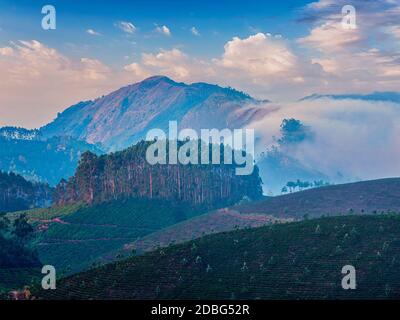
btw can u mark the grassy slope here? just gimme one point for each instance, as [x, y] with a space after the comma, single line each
[217, 221]
[294, 260]
[16, 278]
[360, 197]
[37, 216]
[75, 238]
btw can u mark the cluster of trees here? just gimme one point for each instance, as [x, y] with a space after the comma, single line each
[18, 133]
[293, 131]
[128, 174]
[16, 193]
[15, 237]
[291, 186]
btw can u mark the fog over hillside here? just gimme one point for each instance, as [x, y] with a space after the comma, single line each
[352, 138]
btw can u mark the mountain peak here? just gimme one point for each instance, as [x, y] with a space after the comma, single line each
[123, 117]
[157, 79]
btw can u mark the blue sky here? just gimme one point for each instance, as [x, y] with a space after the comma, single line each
[216, 21]
[277, 50]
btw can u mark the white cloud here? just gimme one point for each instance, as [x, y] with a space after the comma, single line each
[265, 66]
[126, 26]
[258, 55]
[93, 69]
[173, 63]
[394, 31]
[6, 51]
[332, 37]
[321, 4]
[195, 31]
[137, 70]
[37, 81]
[93, 32]
[260, 64]
[163, 30]
[351, 61]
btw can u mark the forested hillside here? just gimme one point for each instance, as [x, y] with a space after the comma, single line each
[128, 174]
[16, 193]
[23, 152]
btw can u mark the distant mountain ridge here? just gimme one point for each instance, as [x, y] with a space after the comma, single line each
[37, 159]
[124, 116]
[375, 96]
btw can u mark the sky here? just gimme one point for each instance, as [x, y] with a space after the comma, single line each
[276, 50]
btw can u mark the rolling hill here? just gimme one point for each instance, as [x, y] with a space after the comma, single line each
[81, 236]
[73, 238]
[221, 220]
[368, 197]
[300, 260]
[365, 197]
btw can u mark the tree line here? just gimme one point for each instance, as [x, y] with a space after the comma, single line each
[128, 174]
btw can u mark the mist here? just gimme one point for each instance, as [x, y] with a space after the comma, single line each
[356, 138]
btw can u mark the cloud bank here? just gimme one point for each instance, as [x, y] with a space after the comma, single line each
[357, 138]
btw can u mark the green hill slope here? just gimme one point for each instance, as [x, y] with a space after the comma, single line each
[375, 196]
[361, 197]
[79, 236]
[213, 222]
[295, 260]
